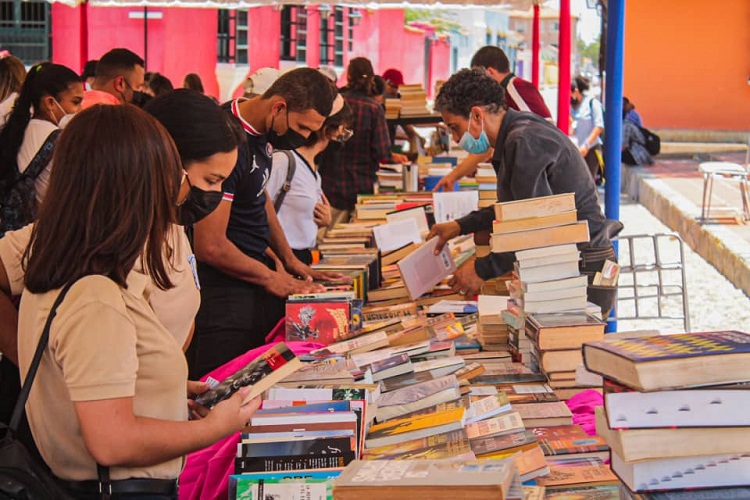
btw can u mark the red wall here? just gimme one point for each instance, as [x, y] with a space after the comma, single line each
[182, 41]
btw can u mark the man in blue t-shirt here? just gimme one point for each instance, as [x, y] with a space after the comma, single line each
[245, 265]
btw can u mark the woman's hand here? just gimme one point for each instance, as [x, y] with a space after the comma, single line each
[231, 415]
[195, 388]
[322, 212]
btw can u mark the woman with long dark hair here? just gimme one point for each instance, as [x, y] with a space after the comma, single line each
[111, 388]
[12, 75]
[49, 97]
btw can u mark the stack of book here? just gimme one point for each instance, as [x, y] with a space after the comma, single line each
[486, 179]
[413, 101]
[675, 413]
[392, 108]
[556, 341]
[492, 332]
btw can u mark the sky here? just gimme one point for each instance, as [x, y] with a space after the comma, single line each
[589, 26]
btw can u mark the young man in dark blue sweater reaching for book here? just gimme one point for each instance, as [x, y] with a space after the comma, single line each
[532, 159]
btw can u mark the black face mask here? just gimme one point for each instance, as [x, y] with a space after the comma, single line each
[574, 101]
[197, 205]
[289, 140]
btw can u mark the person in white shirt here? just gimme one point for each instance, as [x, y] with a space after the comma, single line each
[304, 208]
[12, 74]
[49, 97]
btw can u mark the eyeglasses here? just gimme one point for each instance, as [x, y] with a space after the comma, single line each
[345, 135]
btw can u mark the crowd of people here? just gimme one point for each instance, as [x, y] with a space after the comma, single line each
[168, 230]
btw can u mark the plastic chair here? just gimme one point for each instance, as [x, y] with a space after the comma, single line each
[727, 170]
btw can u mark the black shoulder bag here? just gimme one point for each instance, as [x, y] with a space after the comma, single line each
[287, 182]
[21, 475]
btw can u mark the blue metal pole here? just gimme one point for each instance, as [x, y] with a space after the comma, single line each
[613, 117]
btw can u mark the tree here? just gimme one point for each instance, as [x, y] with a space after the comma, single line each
[589, 50]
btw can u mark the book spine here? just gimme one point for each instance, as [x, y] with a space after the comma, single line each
[287, 463]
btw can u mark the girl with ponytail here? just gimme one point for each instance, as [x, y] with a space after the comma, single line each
[49, 97]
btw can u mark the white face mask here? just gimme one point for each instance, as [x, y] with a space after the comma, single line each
[63, 122]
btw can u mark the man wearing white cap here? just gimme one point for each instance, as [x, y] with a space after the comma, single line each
[260, 81]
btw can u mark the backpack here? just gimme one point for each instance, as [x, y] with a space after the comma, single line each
[653, 141]
[18, 207]
[23, 477]
[287, 182]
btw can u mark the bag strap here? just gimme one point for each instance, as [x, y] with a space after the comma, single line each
[287, 182]
[43, 340]
[42, 157]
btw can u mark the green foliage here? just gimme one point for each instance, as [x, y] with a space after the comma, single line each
[590, 50]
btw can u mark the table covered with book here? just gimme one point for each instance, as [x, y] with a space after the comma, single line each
[394, 386]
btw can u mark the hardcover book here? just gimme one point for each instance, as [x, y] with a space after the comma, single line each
[535, 207]
[261, 373]
[297, 485]
[672, 361]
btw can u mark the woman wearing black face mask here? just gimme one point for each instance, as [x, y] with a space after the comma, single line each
[303, 208]
[207, 140]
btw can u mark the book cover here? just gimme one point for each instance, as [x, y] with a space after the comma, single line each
[405, 429]
[583, 475]
[292, 462]
[535, 207]
[261, 373]
[422, 269]
[535, 238]
[602, 492]
[297, 447]
[495, 444]
[405, 380]
[377, 453]
[321, 322]
[672, 361]
[298, 485]
[504, 424]
[568, 440]
[418, 391]
[541, 411]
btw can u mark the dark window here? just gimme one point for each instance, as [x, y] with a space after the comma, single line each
[351, 31]
[294, 33]
[232, 36]
[25, 29]
[332, 37]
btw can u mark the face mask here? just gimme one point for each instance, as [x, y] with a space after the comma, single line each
[475, 146]
[289, 140]
[66, 117]
[574, 101]
[198, 204]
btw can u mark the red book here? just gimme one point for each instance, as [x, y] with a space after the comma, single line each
[322, 322]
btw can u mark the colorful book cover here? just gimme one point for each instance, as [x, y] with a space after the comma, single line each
[414, 444]
[570, 444]
[300, 485]
[564, 476]
[686, 345]
[398, 426]
[276, 359]
[604, 492]
[320, 322]
[483, 446]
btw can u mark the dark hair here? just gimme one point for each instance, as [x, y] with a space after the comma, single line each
[116, 62]
[12, 75]
[469, 88]
[378, 85]
[304, 89]
[160, 84]
[580, 83]
[198, 126]
[491, 57]
[193, 81]
[360, 76]
[42, 80]
[89, 70]
[125, 202]
[343, 117]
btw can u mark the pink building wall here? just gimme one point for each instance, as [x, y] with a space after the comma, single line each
[182, 41]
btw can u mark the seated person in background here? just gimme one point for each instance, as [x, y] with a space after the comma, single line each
[634, 150]
[629, 112]
[532, 158]
[109, 363]
[303, 209]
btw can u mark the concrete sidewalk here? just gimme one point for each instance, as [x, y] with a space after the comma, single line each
[672, 190]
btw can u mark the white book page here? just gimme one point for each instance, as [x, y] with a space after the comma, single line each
[394, 235]
[454, 205]
[416, 213]
[422, 269]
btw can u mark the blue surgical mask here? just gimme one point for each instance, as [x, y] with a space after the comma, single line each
[475, 146]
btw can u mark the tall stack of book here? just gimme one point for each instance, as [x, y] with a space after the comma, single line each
[675, 413]
[486, 179]
[413, 100]
[392, 108]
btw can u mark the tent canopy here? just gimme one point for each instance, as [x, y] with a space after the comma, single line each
[364, 4]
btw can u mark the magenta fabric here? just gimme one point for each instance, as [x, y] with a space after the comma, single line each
[206, 472]
[582, 406]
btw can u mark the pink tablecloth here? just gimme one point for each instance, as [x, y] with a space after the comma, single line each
[207, 471]
[582, 406]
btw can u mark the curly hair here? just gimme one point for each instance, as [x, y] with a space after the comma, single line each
[469, 88]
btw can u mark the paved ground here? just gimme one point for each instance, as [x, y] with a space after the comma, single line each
[669, 195]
